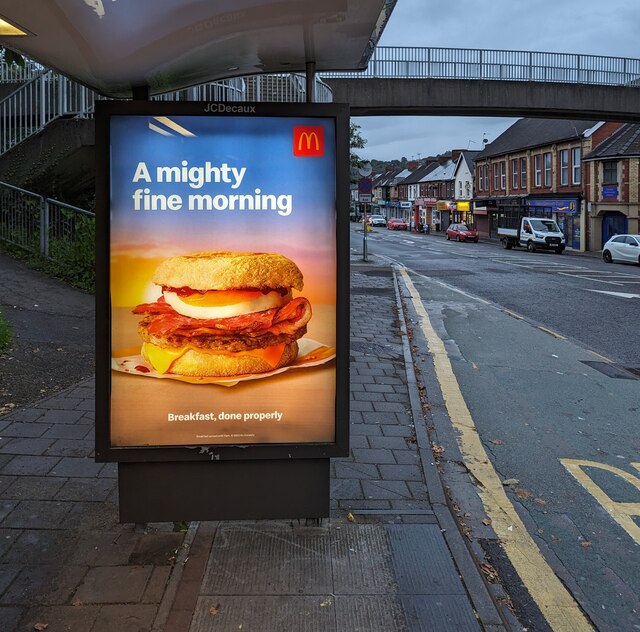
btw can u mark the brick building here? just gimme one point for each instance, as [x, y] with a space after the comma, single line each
[536, 162]
[611, 184]
[437, 191]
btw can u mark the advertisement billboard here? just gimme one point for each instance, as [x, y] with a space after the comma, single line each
[222, 299]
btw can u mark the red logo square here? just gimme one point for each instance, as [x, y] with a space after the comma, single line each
[308, 140]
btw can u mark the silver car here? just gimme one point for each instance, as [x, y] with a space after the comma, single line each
[377, 220]
[624, 248]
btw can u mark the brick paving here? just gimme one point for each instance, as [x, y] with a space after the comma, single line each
[383, 474]
[64, 558]
[67, 562]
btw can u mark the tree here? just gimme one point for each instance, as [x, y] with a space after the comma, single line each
[11, 57]
[355, 142]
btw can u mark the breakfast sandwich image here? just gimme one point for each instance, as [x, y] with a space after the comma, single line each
[224, 314]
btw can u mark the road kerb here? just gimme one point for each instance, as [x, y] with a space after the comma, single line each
[552, 598]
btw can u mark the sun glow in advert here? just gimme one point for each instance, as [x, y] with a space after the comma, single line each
[222, 280]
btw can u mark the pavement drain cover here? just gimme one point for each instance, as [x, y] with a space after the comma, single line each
[373, 291]
[611, 370]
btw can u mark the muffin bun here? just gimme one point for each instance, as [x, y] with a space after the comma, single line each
[206, 271]
[194, 363]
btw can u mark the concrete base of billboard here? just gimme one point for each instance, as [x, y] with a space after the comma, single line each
[223, 490]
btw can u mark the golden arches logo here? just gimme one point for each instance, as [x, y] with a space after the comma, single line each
[313, 137]
[308, 140]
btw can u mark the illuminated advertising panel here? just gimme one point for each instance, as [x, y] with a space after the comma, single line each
[220, 298]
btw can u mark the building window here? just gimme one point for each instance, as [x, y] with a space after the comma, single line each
[547, 169]
[523, 173]
[479, 179]
[515, 184]
[496, 177]
[575, 166]
[503, 176]
[610, 172]
[460, 188]
[564, 167]
[486, 177]
[537, 169]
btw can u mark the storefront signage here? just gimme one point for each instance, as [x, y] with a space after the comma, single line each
[610, 192]
[220, 305]
[570, 206]
[463, 206]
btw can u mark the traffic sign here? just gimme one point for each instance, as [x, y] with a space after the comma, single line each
[364, 185]
[365, 169]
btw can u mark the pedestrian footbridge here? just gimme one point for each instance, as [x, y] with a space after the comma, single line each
[478, 82]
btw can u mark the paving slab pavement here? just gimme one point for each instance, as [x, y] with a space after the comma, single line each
[388, 558]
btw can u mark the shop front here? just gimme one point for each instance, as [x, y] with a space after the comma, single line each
[423, 209]
[381, 207]
[445, 208]
[404, 211]
[462, 213]
[568, 214]
[481, 219]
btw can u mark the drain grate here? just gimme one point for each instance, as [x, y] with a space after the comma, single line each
[611, 370]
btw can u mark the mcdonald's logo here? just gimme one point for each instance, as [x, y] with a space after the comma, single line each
[308, 140]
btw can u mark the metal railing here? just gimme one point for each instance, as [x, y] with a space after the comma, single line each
[58, 231]
[10, 73]
[36, 103]
[49, 96]
[390, 62]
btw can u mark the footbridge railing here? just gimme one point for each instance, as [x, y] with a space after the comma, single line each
[49, 96]
[394, 62]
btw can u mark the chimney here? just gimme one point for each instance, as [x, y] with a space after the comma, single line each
[412, 165]
[455, 154]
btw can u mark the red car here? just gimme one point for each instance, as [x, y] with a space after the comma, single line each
[395, 223]
[460, 232]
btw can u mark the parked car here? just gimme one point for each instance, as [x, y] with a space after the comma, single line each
[377, 220]
[461, 232]
[395, 223]
[623, 248]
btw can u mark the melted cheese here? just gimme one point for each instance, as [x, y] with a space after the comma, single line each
[162, 358]
[224, 303]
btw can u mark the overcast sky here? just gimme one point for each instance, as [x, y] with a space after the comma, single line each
[590, 27]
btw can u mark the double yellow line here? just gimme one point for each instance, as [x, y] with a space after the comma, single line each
[555, 602]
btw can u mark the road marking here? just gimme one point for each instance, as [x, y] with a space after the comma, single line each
[428, 278]
[556, 604]
[599, 355]
[620, 294]
[590, 278]
[408, 241]
[622, 513]
[551, 332]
